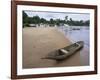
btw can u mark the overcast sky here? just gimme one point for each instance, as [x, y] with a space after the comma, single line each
[57, 15]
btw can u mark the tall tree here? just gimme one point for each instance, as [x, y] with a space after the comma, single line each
[36, 19]
[66, 18]
[24, 15]
[42, 20]
[25, 19]
[52, 22]
[87, 23]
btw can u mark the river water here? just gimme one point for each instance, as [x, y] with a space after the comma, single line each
[78, 33]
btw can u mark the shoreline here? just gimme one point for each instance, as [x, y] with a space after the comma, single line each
[38, 42]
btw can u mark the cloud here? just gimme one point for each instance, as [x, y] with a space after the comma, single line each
[58, 15]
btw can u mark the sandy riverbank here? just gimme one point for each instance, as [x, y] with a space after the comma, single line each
[37, 42]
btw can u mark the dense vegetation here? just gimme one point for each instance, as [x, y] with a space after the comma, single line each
[37, 20]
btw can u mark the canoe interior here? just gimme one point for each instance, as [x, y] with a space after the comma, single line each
[70, 49]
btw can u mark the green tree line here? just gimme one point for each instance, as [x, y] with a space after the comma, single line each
[37, 20]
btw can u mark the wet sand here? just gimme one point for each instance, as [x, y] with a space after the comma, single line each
[38, 42]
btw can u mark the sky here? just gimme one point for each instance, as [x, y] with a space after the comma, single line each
[58, 15]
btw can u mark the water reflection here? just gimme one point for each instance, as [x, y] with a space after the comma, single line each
[76, 33]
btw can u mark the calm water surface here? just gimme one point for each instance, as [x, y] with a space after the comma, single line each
[79, 33]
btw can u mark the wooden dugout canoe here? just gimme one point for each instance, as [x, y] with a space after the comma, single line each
[65, 52]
